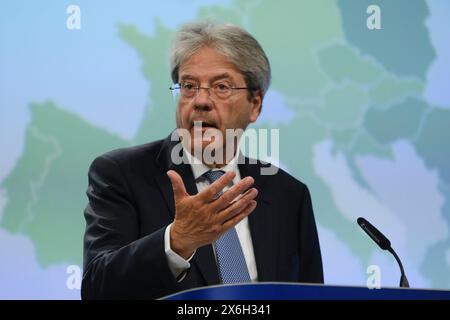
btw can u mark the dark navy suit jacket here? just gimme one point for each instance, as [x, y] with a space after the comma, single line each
[131, 203]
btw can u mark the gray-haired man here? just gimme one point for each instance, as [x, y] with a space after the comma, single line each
[157, 225]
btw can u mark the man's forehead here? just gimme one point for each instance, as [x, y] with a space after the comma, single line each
[206, 64]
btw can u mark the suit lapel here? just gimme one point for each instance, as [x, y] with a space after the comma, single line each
[162, 180]
[263, 222]
[204, 257]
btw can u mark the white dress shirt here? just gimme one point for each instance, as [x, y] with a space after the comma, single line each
[177, 264]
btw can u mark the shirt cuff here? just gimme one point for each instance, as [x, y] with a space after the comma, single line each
[178, 266]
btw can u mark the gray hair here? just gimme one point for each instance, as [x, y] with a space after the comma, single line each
[236, 44]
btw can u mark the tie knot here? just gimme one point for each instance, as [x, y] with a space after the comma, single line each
[213, 175]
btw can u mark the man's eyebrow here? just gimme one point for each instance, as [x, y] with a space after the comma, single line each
[221, 76]
[188, 77]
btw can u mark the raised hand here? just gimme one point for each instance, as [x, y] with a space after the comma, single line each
[202, 218]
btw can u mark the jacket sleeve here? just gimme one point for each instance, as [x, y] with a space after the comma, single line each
[311, 270]
[117, 263]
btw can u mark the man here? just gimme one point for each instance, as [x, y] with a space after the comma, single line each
[157, 225]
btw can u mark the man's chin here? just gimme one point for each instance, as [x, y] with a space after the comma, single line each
[205, 136]
[205, 145]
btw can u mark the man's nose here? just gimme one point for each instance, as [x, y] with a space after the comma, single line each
[202, 101]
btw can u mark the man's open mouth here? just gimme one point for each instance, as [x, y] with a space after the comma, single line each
[203, 124]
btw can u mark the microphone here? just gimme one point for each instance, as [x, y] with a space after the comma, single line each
[384, 244]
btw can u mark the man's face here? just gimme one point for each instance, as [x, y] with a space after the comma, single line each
[208, 68]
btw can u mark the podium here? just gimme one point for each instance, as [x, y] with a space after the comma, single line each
[298, 291]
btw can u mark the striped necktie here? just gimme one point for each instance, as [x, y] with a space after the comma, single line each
[230, 258]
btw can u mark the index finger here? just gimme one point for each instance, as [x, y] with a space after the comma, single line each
[210, 193]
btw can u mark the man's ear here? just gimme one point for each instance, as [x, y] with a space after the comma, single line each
[256, 101]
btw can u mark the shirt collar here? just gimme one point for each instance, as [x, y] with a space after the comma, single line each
[199, 168]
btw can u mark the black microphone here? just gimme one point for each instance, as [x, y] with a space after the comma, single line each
[384, 244]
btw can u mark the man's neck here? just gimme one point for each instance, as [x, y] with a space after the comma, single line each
[199, 167]
[211, 162]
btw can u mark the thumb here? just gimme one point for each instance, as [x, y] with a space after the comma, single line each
[179, 190]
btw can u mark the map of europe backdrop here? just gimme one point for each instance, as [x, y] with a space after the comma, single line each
[364, 118]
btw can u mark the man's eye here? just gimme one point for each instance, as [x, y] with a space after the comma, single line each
[188, 86]
[222, 87]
